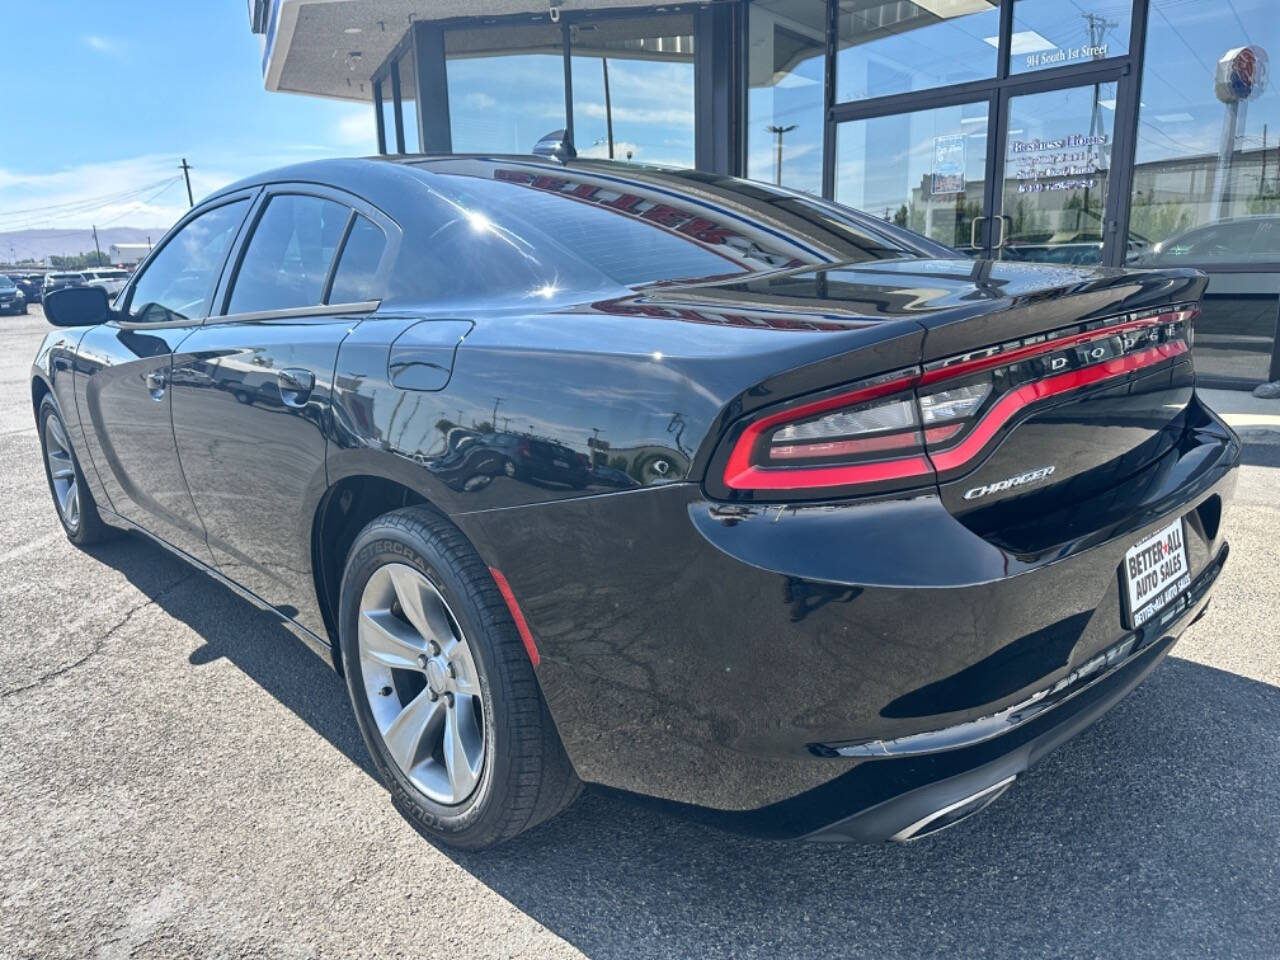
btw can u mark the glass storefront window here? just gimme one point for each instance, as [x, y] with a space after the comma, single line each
[506, 87]
[924, 170]
[1057, 170]
[898, 46]
[785, 74]
[1050, 33]
[1207, 151]
[1206, 182]
[633, 89]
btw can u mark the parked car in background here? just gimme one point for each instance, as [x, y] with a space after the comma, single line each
[31, 285]
[1234, 240]
[1236, 332]
[56, 281]
[111, 279]
[689, 486]
[12, 299]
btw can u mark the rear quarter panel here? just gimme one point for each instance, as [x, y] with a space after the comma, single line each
[577, 401]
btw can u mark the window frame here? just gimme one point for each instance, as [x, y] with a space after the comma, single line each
[122, 318]
[354, 205]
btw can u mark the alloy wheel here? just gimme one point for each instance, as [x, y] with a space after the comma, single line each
[421, 683]
[62, 472]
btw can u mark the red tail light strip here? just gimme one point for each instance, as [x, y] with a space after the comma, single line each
[894, 441]
[741, 474]
[756, 478]
[1009, 405]
[1006, 357]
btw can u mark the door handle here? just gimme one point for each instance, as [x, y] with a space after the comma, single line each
[296, 385]
[157, 380]
[1004, 219]
[973, 231]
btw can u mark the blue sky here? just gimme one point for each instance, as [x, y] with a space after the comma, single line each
[114, 94]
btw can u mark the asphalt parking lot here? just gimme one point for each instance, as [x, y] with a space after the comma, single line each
[180, 777]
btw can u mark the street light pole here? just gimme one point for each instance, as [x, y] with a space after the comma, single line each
[608, 105]
[778, 131]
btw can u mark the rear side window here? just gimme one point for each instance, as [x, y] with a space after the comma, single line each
[178, 282]
[355, 280]
[289, 255]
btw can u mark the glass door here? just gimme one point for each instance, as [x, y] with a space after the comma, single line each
[1052, 193]
[926, 170]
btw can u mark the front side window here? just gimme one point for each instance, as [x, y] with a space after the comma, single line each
[178, 283]
[287, 261]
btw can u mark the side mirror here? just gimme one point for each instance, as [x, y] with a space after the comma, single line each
[77, 307]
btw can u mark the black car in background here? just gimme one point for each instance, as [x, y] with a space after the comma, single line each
[31, 285]
[12, 299]
[696, 488]
[56, 281]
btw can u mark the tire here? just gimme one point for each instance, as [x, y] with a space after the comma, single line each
[84, 526]
[524, 776]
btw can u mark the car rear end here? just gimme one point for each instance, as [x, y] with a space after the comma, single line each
[11, 297]
[1022, 524]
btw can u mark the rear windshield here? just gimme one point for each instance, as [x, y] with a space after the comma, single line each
[66, 276]
[570, 236]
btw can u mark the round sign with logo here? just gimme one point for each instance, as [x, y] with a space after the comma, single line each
[1241, 74]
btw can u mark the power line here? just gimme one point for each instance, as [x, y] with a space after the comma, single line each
[168, 186]
[85, 201]
[86, 208]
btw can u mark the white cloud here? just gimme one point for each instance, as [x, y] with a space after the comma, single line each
[358, 129]
[480, 101]
[144, 191]
[669, 116]
[101, 44]
[621, 149]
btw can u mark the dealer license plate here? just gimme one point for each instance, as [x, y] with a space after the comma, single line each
[1155, 571]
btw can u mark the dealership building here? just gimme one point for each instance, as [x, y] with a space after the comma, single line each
[1107, 132]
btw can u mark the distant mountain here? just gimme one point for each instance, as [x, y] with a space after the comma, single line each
[38, 244]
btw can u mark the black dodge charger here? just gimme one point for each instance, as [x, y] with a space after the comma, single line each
[681, 485]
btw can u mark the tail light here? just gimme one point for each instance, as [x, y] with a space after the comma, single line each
[912, 426]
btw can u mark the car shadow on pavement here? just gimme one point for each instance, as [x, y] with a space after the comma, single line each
[1154, 833]
[252, 639]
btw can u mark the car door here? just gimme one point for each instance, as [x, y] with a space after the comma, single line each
[252, 386]
[124, 368]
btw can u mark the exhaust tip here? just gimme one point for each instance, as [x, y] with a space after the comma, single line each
[953, 813]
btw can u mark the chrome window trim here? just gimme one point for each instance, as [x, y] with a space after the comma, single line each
[289, 313]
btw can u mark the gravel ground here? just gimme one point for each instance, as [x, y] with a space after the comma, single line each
[180, 777]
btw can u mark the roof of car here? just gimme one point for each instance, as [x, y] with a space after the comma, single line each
[384, 181]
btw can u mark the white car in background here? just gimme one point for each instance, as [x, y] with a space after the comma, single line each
[111, 279]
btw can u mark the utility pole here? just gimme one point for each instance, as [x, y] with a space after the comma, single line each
[777, 163]
[97, 248]
[186, 172]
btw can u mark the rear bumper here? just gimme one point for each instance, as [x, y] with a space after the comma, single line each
[949, 776]
[830, 670]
